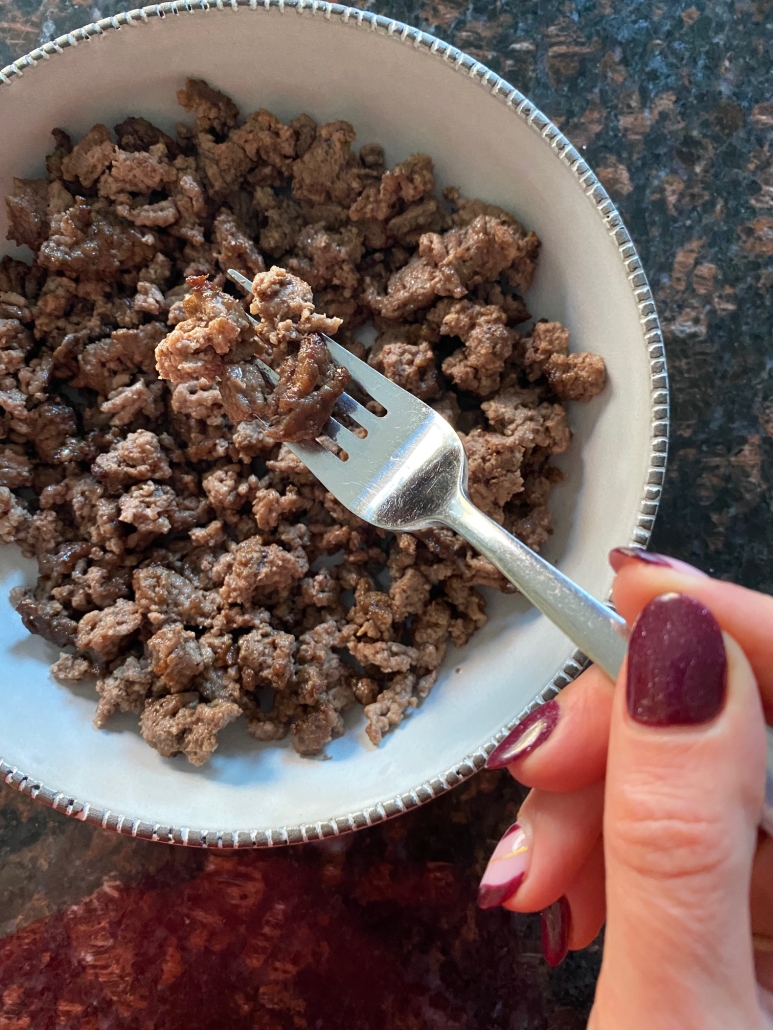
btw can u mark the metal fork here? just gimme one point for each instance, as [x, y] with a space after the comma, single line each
[410, 473]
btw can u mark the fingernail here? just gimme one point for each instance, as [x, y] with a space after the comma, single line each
[620, 556]
[526, 737]
[677, 666]
[555, 923]
[506, 868]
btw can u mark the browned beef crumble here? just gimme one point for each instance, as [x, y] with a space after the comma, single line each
[184, 552]
[214, 351]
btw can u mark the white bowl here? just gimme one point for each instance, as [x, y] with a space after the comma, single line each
[409, 92]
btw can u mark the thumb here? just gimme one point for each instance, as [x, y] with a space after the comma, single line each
[683, 796]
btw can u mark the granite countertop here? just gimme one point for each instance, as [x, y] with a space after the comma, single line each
[672, 108]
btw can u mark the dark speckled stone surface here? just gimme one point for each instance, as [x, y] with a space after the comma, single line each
[672, 106]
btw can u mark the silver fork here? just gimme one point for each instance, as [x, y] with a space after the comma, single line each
[410, 473]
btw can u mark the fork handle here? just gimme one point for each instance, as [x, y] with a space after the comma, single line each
[597, 630]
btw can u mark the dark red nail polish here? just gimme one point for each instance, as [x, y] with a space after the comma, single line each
[677, 666]
[490, 897]
[526, 736]
[555, 924]
[506, 868]
[620, 555]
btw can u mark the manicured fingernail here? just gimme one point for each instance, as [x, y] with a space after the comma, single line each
[526, 737]
[677, 666]
[620, 556]
[506, 868]
[555, 923]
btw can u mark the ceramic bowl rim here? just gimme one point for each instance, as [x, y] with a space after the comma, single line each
[652, 339]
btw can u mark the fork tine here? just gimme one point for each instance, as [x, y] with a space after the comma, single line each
[320, 462]
[349, 406]
[240, 280]
[268, 372]
[344, 437]
[379, 387]
[246, 285]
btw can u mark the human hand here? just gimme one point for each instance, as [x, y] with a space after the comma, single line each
[644, 808]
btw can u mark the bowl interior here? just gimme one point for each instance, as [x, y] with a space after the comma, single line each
[407, 100]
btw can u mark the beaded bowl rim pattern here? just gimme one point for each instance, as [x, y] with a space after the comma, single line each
[524, 109]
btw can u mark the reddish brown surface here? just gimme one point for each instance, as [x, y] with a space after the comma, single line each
[375, 931]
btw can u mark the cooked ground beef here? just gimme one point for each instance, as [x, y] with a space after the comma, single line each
[185, 554]
[213, 351]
